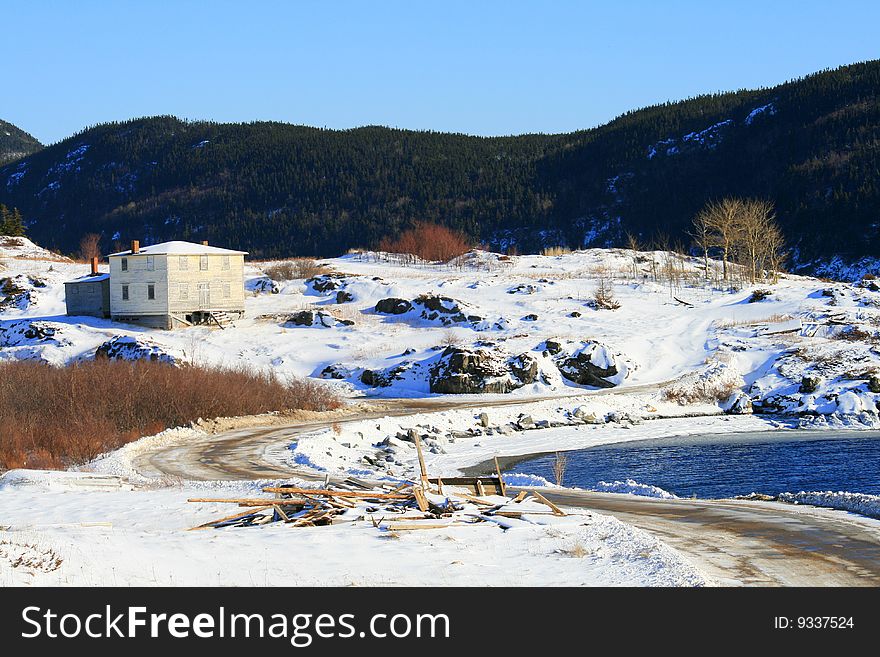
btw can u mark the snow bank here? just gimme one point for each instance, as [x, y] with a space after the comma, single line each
[632, 487]
[861, 503]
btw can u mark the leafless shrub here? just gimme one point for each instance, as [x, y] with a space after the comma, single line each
[555, 251]
[428, 241]
[295, 269]
[54, 417]
[560, 463]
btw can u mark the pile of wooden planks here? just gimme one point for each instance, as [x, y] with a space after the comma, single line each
[426, 504]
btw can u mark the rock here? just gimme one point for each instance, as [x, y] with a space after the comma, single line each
[809, 384]
[124, 347]
[585, 415]
[874, 383]
[581, 368]
[574, 313]
[344, 297]
[525, 368]
[553, 346]
[319, 318]
[738, 403]
[464, 371]
[302, 318]
[531, 317]
[335, 371]
[393, 306]
[484, 419]
[265, 285]
[327, 282]
[384, 378]
[524, 422]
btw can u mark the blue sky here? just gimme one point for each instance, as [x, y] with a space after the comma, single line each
[484, 68]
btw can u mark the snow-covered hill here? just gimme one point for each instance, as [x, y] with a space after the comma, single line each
[524, 326]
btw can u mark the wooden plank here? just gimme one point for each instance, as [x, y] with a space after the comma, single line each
[421, 500]
[281, 513]
[418, 441]
[208, 525]
[475, 500]
[336, 493]
[500, 478]
[479, 486]
[393, 526]
[244, 500]
[556, 510]
[521, 496]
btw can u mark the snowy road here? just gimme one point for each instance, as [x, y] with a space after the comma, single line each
[752, 543]
[734, 542]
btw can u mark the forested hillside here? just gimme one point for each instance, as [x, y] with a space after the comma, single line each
[15, 143]
[812, 146]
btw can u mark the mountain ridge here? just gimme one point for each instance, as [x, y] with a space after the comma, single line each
[812, 145]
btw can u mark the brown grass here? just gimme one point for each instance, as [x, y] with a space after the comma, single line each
[428, 241]
[297, 268]
[55, 417]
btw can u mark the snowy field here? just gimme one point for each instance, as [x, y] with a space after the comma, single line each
[674, 359]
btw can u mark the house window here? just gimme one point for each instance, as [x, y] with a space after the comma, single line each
[225, 262]
[183, 263]
[125, 264]
[125, 292]
[203, 263]
[183, 291]
[151, 263]
[151, 290]
[227, 291]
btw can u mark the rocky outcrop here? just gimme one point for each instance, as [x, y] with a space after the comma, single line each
[123, 347]
[588, 363]
[475, 371]
[329, 282]
[24, 332]
[317, 318]
[393, 306]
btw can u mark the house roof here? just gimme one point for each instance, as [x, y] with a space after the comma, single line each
[89, 278]
[179, 248]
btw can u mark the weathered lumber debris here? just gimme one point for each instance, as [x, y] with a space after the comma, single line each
[402, 506]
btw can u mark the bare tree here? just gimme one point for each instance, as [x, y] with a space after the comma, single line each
[90, 246]
[755, 220]
[722, 219]
[560, 464]
[701, 232]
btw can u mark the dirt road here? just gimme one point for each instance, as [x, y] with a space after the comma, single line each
[734, 542]
[749, 543]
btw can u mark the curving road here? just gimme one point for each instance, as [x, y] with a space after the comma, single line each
[734, 542]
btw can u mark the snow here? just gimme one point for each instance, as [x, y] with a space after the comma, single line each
[179, 248]
[632, 487]
[769, 109]
[673, 361]
[139, 538]
[860, 503]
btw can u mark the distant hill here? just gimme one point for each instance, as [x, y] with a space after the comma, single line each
[811, 145]
[15, 143]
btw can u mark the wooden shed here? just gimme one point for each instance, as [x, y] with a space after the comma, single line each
[88, 295]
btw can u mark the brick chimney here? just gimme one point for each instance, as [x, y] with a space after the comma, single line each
[204, 242]
[94, 266]
[135, 246]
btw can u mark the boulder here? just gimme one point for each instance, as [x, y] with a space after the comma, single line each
[393, 306]
[344, 297]
[809, 384]
[525, 368]
[123, 347]
[465, 371]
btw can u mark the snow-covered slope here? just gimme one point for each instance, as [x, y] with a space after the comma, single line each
[526, 326]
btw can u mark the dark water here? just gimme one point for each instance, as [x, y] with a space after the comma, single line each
[715, 467]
